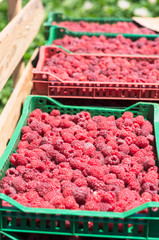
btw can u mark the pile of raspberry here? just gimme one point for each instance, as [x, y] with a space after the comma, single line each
[119, 27]
[101, 68]
[102, 44]
[81, 162]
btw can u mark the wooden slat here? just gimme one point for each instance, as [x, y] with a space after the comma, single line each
[149, 22]
[14, 7]
[11, 112]
[17, 36]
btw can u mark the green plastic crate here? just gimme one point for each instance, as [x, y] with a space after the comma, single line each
[52, 221]
[58, 17]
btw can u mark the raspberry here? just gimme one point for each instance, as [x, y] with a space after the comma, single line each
[147, 126]
[133, 149]
[118, 170]
[139, 119]
[19, 184]
[150, 188]
[126, 195]
[128, 115]
[18, 159]
[124, 148]
[22, 144]
[92, 206]
[95, 171]
[146, 197]
[99, 143]
[8, 190]
[70, 203]
[43, 188]
[34, 144]
[134, 185]
[32, 184]
[77, 174]
[25, 129]
[31, 195]
[120, 206]
[112, 160]
[116, 182]
[68, 137]
[109, 197]
[30, 136]
[105, 207]
[89, 149]
[81, 182]
[94, 162]
[107, 177]
[95, 184]
[106, 150]
[132, 205]
[49, 195]
[59, 158]
[82, 116]
[76, 164]
[149, 163]
[12, 172]
[46, 140]
[55, 113]
[151, 177]
[67, 192]
[141, 141]
[91, 125]
[57, 200]
[80, 194]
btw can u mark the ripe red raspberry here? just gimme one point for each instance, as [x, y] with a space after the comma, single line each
[112, 144]
[75, 163]
[92, 206]
[77, 174]
[70, 203]
[67, 192]
[95, 171]
[105, 207]
[43, 188]
[81, 182]
[78, 146]
[141, 142]
[91, 125]
[30, 136]
[109, 197]
[126, 195]
[139, 119]
[18, 159]
[59, 158]
[99, 143]
[133, 149]
[82, 116]
[55, 113]
[132, 205]
[22, 144]
[32, 184]
[128, 115]
[151, 177]
[68, 137]
[49, 195]
[31, 195]
[12, 172]
[8, 190]
[95, 184]
[149, 163]
[94, 162]
[146, 197]
[109, 176]
[89, 149]
[134, 185]
[119, 171]
[150, 188]
[147, 126]
[80, 194]
[19, 184]
[25, 129]
[37, 165]
[124, 148]
[116, 182]
[112, 160]
[106, 150]
[57, 200]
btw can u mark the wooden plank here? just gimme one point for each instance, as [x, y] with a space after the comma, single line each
[14, 7]
[17, 36]
[148, 22]
[11, 112]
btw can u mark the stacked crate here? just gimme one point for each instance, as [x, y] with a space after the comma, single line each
[116, 225]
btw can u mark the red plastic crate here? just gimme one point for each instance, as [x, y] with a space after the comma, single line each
[45, 83]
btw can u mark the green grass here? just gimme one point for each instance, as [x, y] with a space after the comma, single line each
[75, 8]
